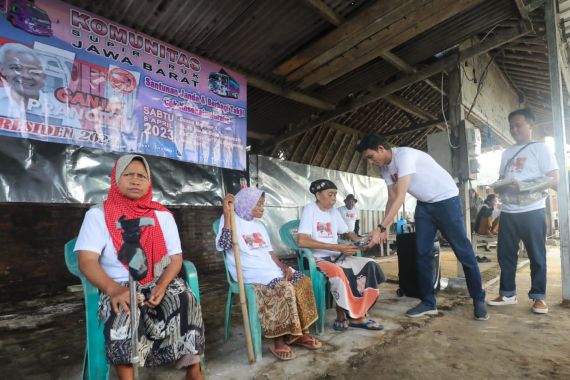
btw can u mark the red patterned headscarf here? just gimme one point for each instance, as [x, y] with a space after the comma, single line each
[117, 205]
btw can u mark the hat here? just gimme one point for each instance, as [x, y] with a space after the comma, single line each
[350, 197]
[321, 185]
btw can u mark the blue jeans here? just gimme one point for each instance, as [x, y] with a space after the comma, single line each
[447, 217]
[530, 227]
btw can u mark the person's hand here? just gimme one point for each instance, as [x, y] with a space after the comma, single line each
[347, 249]
[377, 237]
[120, 298]
[514, 187]
[156, 295]
[287, 272]
[229, 198]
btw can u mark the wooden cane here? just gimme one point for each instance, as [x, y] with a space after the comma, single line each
[242, 300]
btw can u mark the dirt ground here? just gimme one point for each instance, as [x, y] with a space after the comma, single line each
[43, 339]
[513, 344]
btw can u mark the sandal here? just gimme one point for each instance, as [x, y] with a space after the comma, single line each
[340, 324]
[367, 325]
[283, 354]
[306, 341]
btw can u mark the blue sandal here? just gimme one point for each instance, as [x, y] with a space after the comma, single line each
[338, 325]
[367, 325]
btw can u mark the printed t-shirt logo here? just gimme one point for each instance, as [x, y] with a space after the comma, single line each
[254, 240]
[324, 229]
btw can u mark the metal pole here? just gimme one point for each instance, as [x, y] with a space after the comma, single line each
[134, 332]
[553, 40]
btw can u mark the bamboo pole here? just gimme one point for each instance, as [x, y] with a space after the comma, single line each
[242, 300]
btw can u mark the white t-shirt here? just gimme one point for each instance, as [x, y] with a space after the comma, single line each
[349, 216]
[429, 182]
[257, 265]
[94, 236]
[322, 226]
[534, 161]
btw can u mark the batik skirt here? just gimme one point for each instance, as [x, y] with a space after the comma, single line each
[354, 283]
[172, 332]
[286, 307]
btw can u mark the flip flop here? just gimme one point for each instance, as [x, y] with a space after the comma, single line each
[278, 353]
[340, 322]
[367, 325]
[307, 341]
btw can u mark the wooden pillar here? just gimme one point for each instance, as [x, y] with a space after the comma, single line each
[459, 154]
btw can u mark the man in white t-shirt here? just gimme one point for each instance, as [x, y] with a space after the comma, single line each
[350, 213]
[523, 214]
[408, 170]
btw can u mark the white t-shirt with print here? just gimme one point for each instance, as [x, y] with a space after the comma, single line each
[349, 216]
[257, 265]
[429, 182]
[322, 226]
[94, 236]
[534, 161]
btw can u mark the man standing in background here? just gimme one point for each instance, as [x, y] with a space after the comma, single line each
[350, 213]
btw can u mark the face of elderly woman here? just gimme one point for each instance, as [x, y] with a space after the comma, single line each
[134, 181]
[326, 198]
[257, 212]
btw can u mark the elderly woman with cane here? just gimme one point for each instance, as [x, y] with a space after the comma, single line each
[285, 300]
[353, 280]
[170, 327]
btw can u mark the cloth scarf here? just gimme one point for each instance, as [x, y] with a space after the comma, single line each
[246, 200]
[116, 205]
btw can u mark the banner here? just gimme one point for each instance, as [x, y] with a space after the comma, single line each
[71, 77]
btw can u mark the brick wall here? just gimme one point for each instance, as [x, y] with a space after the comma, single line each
[32, 237]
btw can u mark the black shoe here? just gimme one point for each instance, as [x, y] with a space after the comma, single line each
[479, 259]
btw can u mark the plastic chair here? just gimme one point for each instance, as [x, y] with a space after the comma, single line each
[307, 264]
[233, 288]
[95, 365]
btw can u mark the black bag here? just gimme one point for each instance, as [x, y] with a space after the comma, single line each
[407, 272]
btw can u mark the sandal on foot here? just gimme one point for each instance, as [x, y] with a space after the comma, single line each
[306, 341]
[283, 354]
[340, 324]
[367, 325]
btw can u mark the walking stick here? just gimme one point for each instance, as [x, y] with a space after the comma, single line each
[242, 301]
[134, 257]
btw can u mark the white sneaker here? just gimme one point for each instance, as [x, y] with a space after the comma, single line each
[502, 301]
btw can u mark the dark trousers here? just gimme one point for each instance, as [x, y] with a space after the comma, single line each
[530, 227]
[447, 217]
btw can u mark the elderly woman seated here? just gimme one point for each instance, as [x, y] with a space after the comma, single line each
[285, 300]
[170, 327]
[353, 280]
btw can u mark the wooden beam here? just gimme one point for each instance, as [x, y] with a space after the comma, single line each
[528, 49]
[403, 66]
[421, 17]
[522, 9]
[289, 94]
[345, 129]
[325, 11]
[409, 107]
[258, 135]
[443, 64]
[367, 21]
[412, 129]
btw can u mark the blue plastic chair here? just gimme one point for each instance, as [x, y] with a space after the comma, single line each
[95, 365]
[233, 288]
[307, 264]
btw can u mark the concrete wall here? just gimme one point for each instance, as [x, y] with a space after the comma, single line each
[496, 97]
[32, 237]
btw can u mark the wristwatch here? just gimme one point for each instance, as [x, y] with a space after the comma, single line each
[382, 228]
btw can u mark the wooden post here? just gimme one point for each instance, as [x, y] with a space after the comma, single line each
[242, 300]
